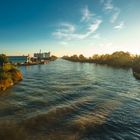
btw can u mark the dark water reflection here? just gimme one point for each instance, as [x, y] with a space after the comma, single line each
[71, 101]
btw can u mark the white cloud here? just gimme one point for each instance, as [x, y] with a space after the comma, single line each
[67, 34]
[108, 5]
[70, 36]
[67, 31]
[115, 11]
[120, 26]
[66, 27]
[115, 15]
[86, 14]
[93, 27]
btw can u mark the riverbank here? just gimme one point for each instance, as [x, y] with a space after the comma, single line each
[63, 101]
[31, 63]
[117, 59]
[9, 76]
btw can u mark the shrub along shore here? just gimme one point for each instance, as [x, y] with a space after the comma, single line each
[117, 59]
[9, 74]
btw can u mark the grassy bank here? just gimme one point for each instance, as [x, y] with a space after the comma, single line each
[117, 59]
[9, 75]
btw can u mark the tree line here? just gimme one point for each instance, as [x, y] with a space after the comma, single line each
[117, 59]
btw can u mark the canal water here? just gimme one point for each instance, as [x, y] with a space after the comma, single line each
[71, 101]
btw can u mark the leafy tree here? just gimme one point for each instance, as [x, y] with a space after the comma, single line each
[117, 59]
[3, 59]
[53, 57]
[81, 57]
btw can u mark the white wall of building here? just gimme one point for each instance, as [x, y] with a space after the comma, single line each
[44, 55]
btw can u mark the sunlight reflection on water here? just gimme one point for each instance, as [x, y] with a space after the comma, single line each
[71, 101]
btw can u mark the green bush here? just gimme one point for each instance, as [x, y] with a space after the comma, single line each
[7, 70]
[3, 59]
[8, 67]
[5, 75]
[117, 59]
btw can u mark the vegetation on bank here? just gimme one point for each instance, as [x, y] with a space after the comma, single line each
[53, 58]
[117, 59]
[9, 74]
[136, 67]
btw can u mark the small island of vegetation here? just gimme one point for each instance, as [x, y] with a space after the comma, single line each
[117, 59]
[9, 74]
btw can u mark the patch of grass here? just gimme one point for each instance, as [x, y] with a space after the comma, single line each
[4, 76]
[6, 71]
[9, 75]
[7, 67]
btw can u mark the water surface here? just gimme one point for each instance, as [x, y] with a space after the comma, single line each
[71, 101]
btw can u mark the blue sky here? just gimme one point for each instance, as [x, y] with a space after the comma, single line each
[67, 27]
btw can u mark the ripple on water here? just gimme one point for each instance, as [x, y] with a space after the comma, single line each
[71, 101]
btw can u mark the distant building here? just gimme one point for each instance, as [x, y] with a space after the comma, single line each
[42, 56]
[19, 59]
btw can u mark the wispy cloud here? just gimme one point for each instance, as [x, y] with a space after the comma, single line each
[120, 26]
[86, 14]
[67, 31]
[111, 8]
[66, 28]
[108, 5]
[73, 35]
[115, 15]
[94, 26]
